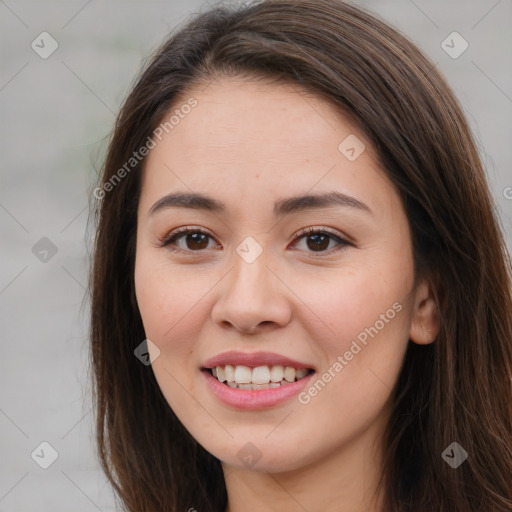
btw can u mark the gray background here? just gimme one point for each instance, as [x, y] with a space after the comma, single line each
[56, 115]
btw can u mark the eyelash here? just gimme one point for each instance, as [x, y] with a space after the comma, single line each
[180, 232]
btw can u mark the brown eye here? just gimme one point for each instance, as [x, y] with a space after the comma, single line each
[318, 240]
[193, 240]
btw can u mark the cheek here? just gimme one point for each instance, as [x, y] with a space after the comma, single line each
[361, 327]
[367, 310]
[353, 303]
[169, 300]
[172, 307]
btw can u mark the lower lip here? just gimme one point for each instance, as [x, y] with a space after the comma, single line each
[254, 398]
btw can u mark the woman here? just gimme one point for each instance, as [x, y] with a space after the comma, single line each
[301, 296]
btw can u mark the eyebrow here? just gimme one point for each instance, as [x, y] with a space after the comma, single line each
[282, 207]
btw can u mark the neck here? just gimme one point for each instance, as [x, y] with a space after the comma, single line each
[345, 480]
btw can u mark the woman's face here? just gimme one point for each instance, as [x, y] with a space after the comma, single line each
[256, 293]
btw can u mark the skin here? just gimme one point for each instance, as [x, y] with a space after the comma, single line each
[248, 144]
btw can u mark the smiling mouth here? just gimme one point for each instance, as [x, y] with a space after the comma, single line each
[259, 377]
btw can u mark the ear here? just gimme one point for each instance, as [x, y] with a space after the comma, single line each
[425, 321]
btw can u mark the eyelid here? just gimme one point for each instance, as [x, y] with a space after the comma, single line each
[321, 229]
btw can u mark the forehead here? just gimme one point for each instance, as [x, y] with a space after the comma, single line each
[239, 118]
[255, 135]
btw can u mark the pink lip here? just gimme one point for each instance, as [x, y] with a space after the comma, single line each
[253, 359]
[255, 398]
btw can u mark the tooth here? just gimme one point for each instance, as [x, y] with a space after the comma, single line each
[220, 374]
[243, 375]
[301, 373]
[261, 375]
[285, 382]
[276, 373]
[245, 386]
[229, 372]
[289, 374]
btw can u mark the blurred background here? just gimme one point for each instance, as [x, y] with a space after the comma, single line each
[65, 69]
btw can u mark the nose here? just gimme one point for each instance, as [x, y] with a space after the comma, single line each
[252, 298]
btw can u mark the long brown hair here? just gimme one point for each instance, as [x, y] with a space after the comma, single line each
[457, 389]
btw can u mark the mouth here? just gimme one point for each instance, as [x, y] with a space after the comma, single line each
[258, 377]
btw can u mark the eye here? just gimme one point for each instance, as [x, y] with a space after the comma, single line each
[318, 240]
[195, 239]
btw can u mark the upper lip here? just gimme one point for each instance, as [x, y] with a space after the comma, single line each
[253, 359]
